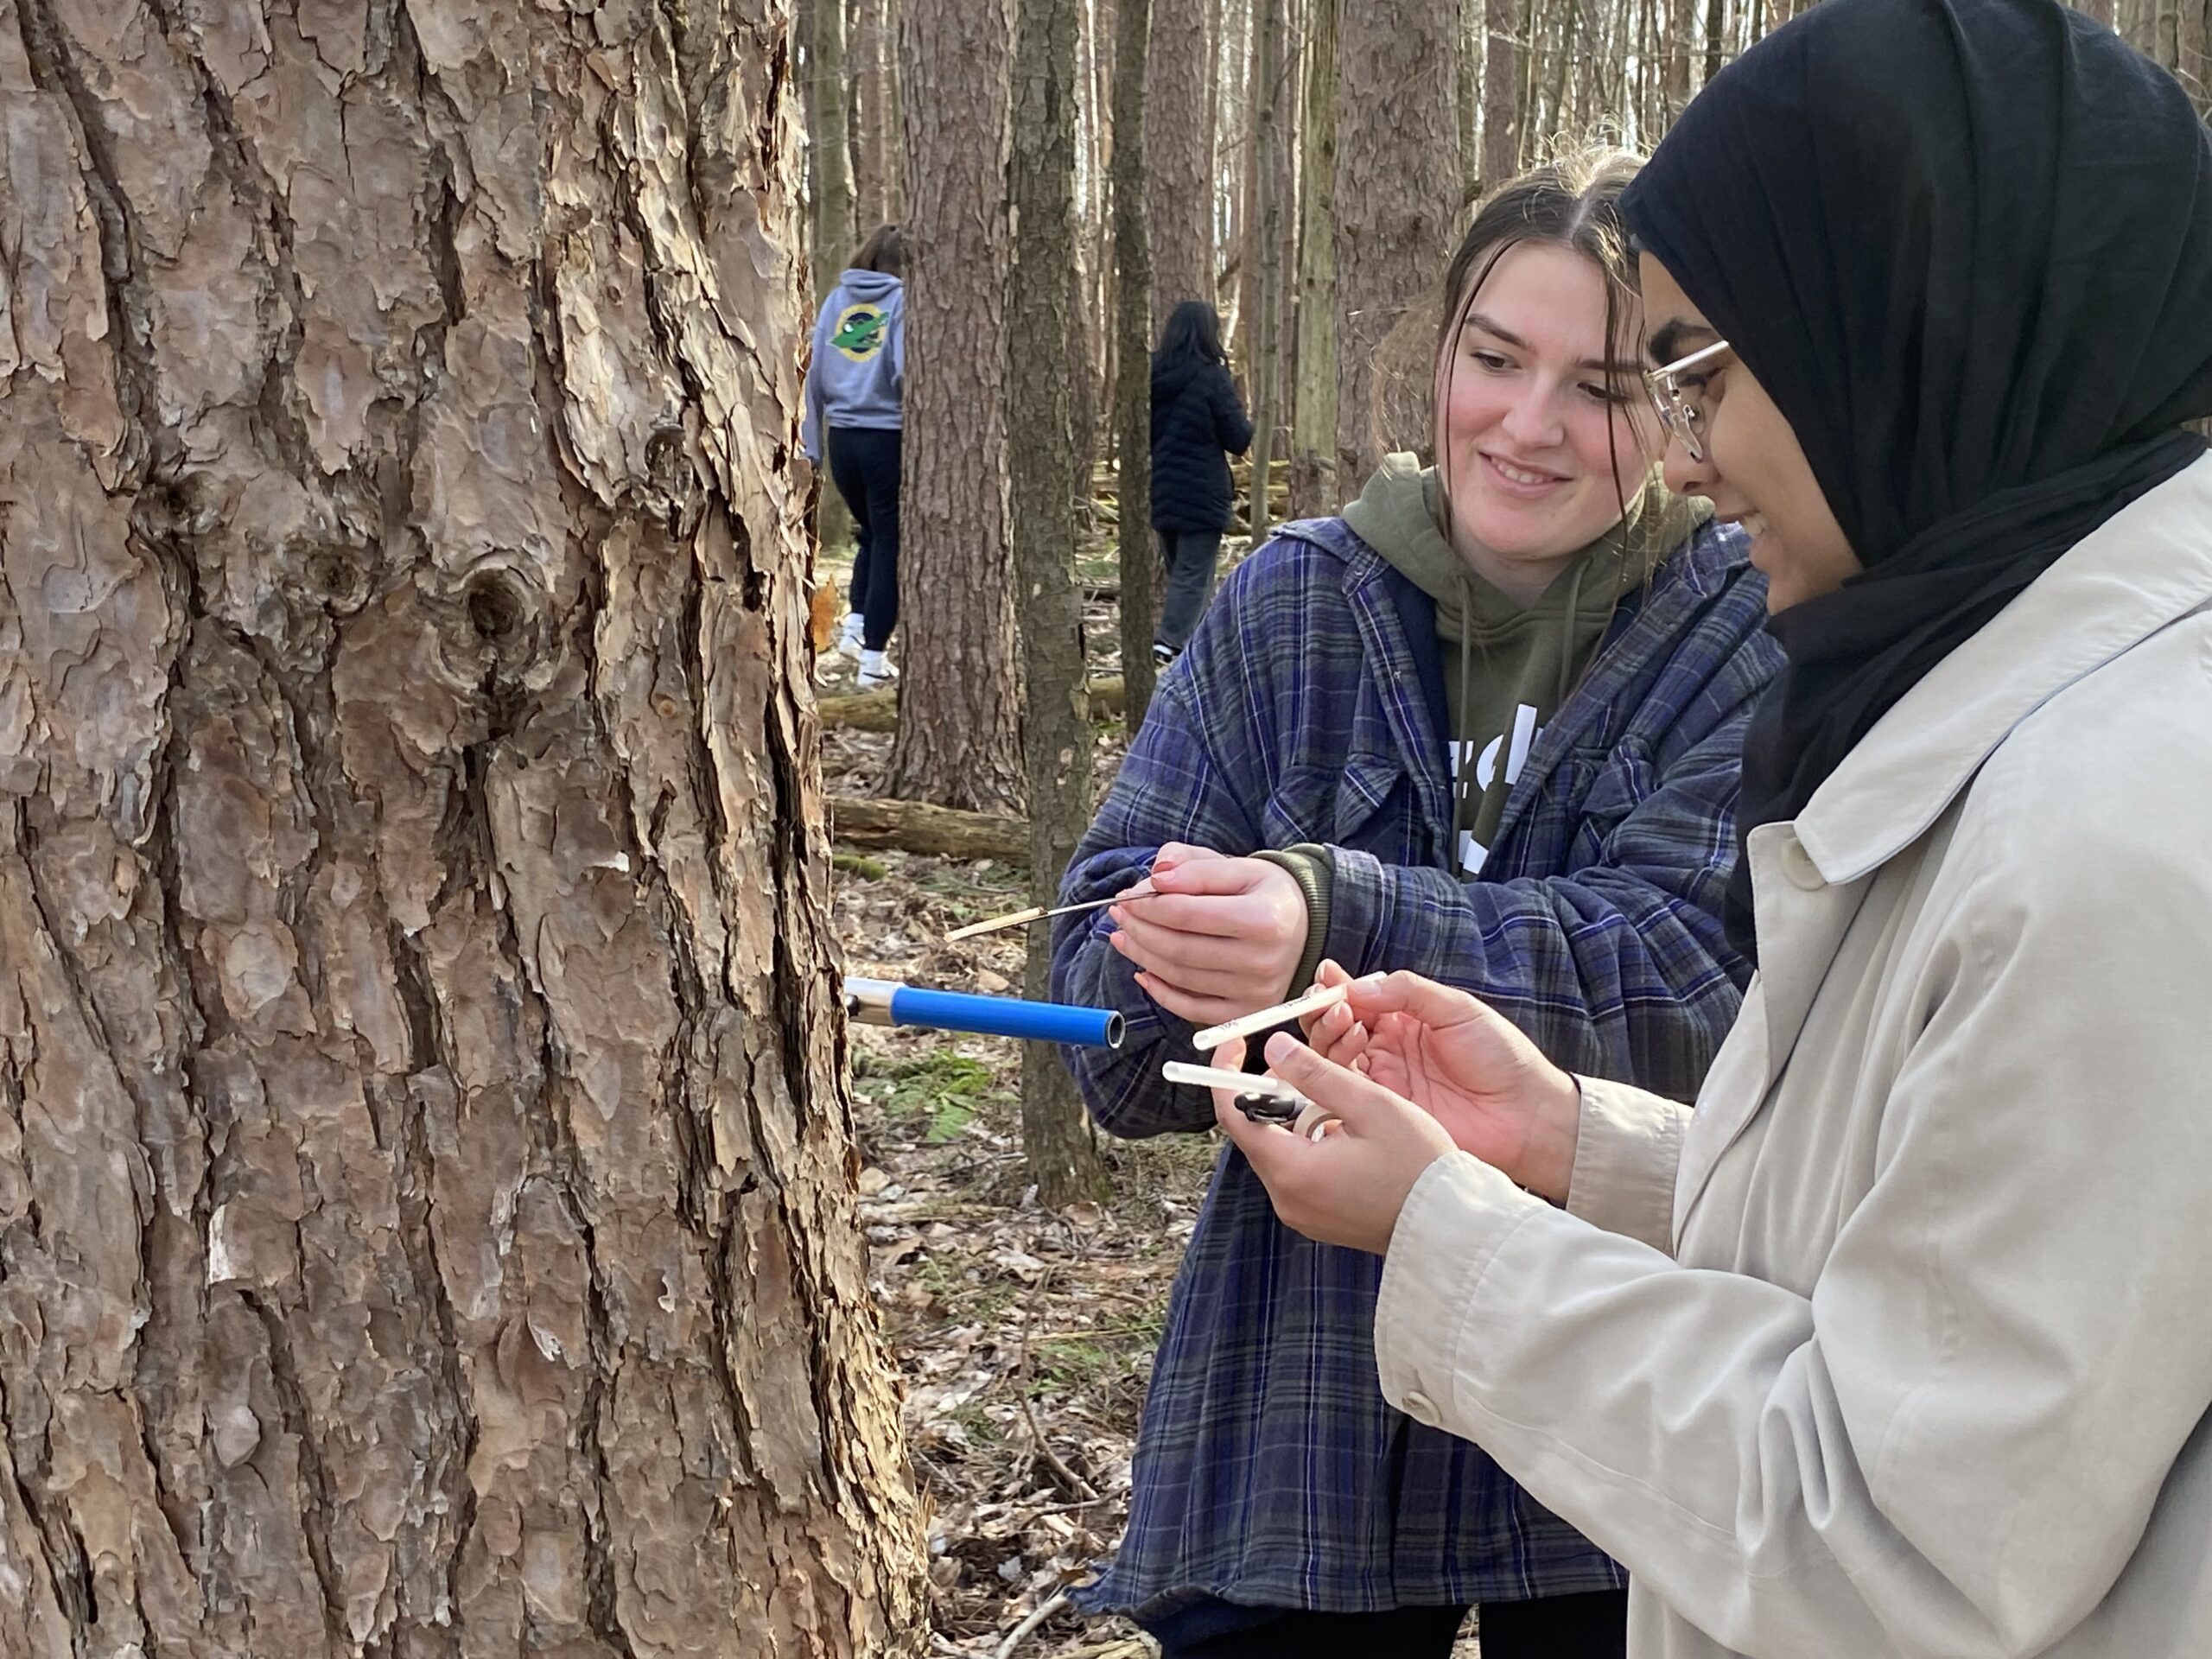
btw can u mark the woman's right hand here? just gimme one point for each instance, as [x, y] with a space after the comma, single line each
[1462, 1062]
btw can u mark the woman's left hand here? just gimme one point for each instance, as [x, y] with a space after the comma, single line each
[1346, 1186]
[1224, 944]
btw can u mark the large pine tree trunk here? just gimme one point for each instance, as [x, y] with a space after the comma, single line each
[1397, 197]
[425, 1222]
[959, 731]
[1179, 154]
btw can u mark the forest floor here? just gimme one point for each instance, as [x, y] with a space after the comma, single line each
[1024, 1336]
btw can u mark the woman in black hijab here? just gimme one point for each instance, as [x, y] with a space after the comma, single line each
[1899, 1343]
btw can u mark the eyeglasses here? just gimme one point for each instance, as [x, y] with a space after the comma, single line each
[1678, 393]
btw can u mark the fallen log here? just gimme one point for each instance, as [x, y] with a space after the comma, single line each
[940, 831]
[878, 711]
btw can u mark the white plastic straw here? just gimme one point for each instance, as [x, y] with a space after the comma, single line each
[1244, 1083]
[1267, 1018]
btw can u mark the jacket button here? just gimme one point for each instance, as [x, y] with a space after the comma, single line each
[1797, 864]
[1422, 1409]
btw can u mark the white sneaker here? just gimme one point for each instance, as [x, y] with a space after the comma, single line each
[876, 671]
[848, 637]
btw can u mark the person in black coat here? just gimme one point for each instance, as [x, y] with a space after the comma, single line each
[1198, 422]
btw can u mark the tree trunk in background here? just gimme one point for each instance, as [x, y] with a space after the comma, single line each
[1503, 58]
[425, 1224]
[829, 148]
[1716, 38]
[875, 136]
[1471, 98]
[1132, 352]
[1267, 242]
[1681, 17]
[1314, 487]
[1056, 728]
[1397, 196]
[959, 733]
[1178, 156]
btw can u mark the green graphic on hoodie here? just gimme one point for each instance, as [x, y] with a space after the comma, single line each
[860, 332]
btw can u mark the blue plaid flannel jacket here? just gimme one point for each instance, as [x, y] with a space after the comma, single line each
[1310, 708]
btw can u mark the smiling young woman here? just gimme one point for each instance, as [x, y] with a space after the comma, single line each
[1898, 1344]
[1486, 724]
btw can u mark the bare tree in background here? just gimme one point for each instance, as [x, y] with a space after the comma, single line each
[1178, 161]
[875, 121]
[958, 742]
[1313, 483]
[1397, 194]
[1504, 59]
[1056, 727]
[1268, 156]
[829, 151]
[1132, 353]
[424, 1211]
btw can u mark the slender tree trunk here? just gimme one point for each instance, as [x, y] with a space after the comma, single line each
[959, 736]
[1056, 735]
[1179, 154]
[1132, 349]
[1267, 358]
[424, 1223]
[2191, 57]
[1471, 98]
[1682, 15]
[875, 138]
[1315, 485]
[1397, 193]
[1716, 37]
[829, 144]
[1503, 57]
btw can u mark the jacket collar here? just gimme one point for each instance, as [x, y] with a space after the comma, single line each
[2147, 566]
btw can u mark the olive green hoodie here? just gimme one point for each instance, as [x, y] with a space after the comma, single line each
[1508, 665]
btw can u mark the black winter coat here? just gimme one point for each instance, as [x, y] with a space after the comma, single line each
[1197, 424]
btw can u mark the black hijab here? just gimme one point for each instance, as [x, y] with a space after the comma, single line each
[1965, 246]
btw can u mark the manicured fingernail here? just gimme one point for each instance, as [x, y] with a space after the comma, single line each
[1371, 981]
[1281, 1046]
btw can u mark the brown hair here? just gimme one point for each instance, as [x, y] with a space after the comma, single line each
[884, 251]
[1571, 201]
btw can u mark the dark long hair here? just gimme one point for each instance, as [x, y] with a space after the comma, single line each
[1192, 334]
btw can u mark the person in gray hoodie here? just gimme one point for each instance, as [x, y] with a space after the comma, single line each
[855, 390]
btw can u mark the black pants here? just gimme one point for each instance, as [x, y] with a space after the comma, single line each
[1592, 1626]
[864, 466]
[1190, 556]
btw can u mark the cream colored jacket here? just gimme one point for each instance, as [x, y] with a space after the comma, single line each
[1901, 1343]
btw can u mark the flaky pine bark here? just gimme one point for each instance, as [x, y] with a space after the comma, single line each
[425, 1220]
[1314, 487]
[1056, 730]
[1397, 194]
[1179, 154]
[959, 736]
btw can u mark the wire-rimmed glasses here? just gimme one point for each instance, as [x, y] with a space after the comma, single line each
[1678, 393]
